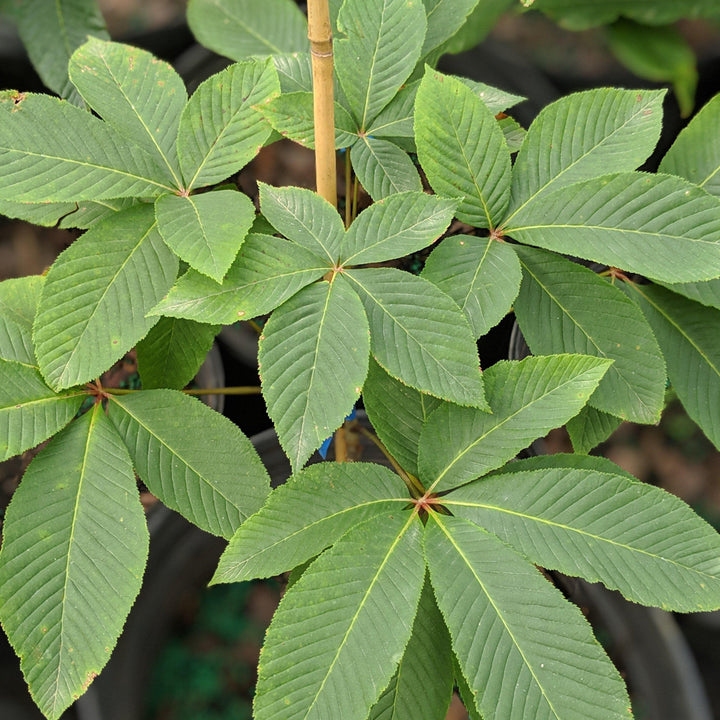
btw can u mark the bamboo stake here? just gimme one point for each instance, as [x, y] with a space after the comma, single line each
[321, 49]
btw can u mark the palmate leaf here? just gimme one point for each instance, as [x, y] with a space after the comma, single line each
[461, 149]
[557, 310]
[219, 131]
[656, 225]
[398, 225]
[30, 411]
[313, 360]
[74, 552]
[173, 351]
[240, 28]
[205, 230]
[291, 114]
[356, 601]
[53, 151]
[609, 128]
[526, 651]
[305, 218]
[138, 95]
[423, 683]
[527, 398]
[688, 335]
[96, 295]
[467, 268]
[18, 305]
[382, 45]
[44, 214]
[397, 413]
[195, 460]
[419, 335]
[307, 514]
[706, 293]
[693, 155]
[582, 516]
[383, 168]
[267, 271]
[589, 428]
[51, 32]
[294, 71]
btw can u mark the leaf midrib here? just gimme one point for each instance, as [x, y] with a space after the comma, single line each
[570, 529]
[582, 157]
[499, 614]
[500, 424]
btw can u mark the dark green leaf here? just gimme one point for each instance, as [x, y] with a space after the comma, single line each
[74, 552]
[419, 335]
[18, 305]
[527, 398]
[590, 427]
[192, 458]
[383, 168]
[95, 297]
[173, 351]
[267, 271]
[307, 514]
[461, 149]
[357, 600]
[481, 276]
[313, 360]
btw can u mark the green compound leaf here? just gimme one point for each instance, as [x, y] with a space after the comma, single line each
[44, 214]
[397, 413]
[461, 149]
[419, 335]
[53, 151]
[195, 460]
[382, 45]
[205, 230]
[687, 334]
[589, 428]
[609, 129]
[51, 32]
[528, 399]
[557, 310]
[95, 297]
[30, 411]
[295, 72]
[383, 168]
[307, 514]
[241, 28]
[74, 552]
[656, 225]
[220, 131]
[304, 217]
[583, 518]
[423, 683]
[469, 270]
[313, 360]
[18, 304]
[173, 351]
[396, 226]
[495, 99]
[693, 155]
[660, 54]
[138, 95]
[357, 600]
[522, 659]
[267, 271]
[291, 114]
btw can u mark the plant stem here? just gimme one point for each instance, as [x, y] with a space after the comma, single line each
[413, 484]
[321, 49]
